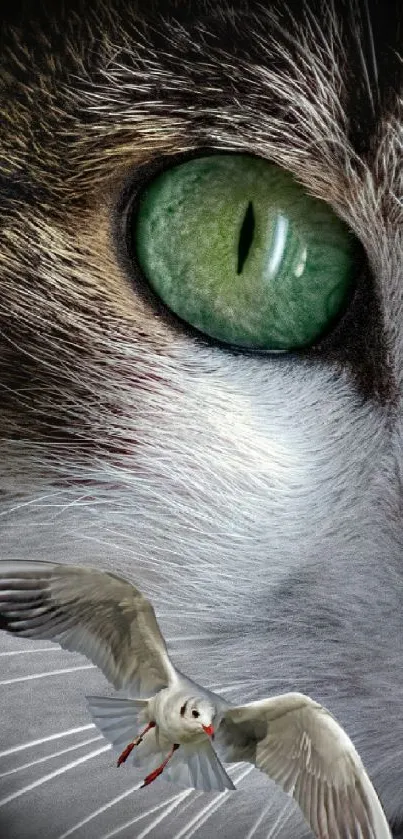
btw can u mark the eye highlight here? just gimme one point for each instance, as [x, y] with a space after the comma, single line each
[235, 247]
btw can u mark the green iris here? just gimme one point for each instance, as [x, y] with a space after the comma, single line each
[235, 247]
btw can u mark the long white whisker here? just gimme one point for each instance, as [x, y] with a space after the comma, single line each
[52, 775]
[266, 810]
[48, 757]
[198, 820]
[280, 820]
[181, 797]
[105, 807]
[30, 503]
[201, 817]
[174, 802]
[184, 638]
[96, 540]
[80, 501]
[32, 743]
[46, 675]
[53, 649]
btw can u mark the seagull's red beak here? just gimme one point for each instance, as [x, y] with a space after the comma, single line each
[209, 730]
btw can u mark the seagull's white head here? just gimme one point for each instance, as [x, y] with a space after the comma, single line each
[198, 714]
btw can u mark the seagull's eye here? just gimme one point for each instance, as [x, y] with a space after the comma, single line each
[236, 248]
[195, 714]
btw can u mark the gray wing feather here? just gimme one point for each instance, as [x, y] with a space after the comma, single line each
[300, 746]
[198, 768]
[91, 612]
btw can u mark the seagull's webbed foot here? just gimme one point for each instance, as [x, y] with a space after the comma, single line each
[154, 774]
[136, 742]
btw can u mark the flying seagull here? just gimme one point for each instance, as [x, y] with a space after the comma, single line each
[173, 724]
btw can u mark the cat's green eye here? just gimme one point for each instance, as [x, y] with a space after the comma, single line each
[235, 247]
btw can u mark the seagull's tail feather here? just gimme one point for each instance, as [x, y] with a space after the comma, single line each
[197, 767]
[119, 720]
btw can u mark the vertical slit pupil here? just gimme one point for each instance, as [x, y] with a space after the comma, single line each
[246, 237]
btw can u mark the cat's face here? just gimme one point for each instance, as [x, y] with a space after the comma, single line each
[256, 498]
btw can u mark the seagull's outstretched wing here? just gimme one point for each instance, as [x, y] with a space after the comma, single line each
[298, 744]
[91, 612]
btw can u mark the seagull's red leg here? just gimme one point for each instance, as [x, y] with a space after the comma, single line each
[153, 775]
[136, 742]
